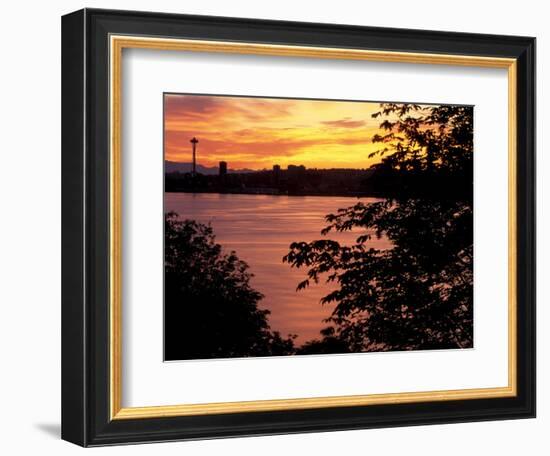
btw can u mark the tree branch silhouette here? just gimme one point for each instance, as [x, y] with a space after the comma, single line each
[417, 294]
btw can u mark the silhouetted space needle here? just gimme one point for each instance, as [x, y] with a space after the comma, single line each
[194, 142]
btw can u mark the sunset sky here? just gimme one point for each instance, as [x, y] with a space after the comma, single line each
[257, 133]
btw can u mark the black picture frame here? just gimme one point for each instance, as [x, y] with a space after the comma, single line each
[86, 416]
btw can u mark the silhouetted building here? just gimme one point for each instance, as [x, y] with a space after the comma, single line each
[296, 168]
[295, 172]
[223, 168]
[194, 142]
[276, 174]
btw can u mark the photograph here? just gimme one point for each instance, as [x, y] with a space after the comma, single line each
[316, 226]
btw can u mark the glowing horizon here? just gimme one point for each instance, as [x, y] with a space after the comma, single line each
[257, 133]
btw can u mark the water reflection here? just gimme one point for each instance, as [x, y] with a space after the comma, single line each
[260, 229]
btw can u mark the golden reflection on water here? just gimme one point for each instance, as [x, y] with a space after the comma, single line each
[260, 228]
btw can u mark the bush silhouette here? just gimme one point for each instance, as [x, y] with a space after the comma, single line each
[211, 311]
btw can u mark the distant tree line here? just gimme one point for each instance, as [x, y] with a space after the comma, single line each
[297, 180]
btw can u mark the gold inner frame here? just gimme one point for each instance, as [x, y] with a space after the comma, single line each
[117, 44]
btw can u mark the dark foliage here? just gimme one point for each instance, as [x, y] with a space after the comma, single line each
[329, 343]
[211, 311]
[418, 294]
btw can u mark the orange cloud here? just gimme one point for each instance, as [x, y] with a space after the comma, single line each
[256, 133]
[344, 123]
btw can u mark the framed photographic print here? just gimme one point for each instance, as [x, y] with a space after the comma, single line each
[278, 227]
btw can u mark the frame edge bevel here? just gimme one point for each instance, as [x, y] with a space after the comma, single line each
[73, 319]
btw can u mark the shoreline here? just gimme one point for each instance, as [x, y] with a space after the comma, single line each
[267, 193]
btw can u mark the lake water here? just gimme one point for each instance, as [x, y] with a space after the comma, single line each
[260, 229]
